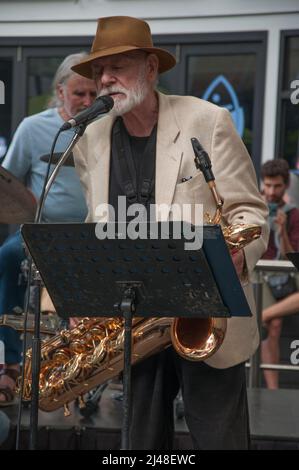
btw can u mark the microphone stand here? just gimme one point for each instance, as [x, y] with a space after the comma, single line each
[76, 137]
[36, 284]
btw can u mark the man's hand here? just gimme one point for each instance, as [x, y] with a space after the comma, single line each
[73, 322]
[239, 262]
[281, 222]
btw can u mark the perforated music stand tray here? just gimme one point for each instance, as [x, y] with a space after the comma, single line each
[86, 276]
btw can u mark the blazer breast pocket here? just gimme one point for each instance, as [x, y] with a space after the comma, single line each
[191, 184]
[190, 191]
[194, 191]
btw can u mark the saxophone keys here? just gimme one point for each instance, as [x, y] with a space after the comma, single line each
[66, 410]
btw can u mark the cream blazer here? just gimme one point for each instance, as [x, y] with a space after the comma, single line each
[180, 119]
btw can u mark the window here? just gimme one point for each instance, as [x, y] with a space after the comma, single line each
[6, 67]
[226, 80]
[227, 69]
[41, 71]
[287, 143]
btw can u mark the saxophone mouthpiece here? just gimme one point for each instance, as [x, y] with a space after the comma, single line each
[202, 160]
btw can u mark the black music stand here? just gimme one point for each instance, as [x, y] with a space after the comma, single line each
[86, 276]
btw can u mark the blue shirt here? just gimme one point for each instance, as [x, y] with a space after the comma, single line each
[33, 139]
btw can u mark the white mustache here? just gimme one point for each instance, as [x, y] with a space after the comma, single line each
[107, 91]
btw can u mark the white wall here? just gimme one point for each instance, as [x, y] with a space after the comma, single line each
[78, 17]
[65, 17]
[87, 10]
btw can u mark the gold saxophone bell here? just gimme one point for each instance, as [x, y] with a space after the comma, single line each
[196, 339]
[76, 361]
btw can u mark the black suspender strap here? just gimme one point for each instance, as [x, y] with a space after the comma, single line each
[125, 174]
[125, 160]
[148, 168]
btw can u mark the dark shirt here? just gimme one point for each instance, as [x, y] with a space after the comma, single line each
[135, 162]
[293, 233]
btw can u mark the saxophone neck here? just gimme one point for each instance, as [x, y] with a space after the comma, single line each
[218, 202]
[203, 163]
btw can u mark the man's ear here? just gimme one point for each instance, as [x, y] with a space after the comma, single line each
[152, 66]
[60, 92]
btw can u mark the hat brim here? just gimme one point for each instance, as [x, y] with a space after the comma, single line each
[84, 68]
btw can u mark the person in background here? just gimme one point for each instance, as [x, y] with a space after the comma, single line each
[284, 238]
[287, 306]
[65, 203]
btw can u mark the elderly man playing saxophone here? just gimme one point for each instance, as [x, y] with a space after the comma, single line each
[155, 130]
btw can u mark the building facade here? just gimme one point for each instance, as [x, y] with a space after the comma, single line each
[238, 54]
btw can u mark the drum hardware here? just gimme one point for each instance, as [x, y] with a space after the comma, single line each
[49, 324]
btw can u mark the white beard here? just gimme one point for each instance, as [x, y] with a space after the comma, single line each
[133, 97]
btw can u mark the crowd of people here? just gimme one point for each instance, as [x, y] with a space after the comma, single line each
[153, 131]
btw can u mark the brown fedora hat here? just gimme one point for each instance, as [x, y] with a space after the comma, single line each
[117, 34]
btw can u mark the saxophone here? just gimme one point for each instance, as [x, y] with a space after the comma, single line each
[76, 361]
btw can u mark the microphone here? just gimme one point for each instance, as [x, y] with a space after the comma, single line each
[202, 160]
[102, 105]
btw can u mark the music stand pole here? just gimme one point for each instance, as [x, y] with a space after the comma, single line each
[36, 341]
[127, 307]
[36, 352]
[76, 137]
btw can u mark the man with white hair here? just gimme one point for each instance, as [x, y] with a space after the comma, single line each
[142, 150]
[27, 160]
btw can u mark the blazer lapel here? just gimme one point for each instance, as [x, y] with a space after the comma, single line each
[100, 174]
[168, 155]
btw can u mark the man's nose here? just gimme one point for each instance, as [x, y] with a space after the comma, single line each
[107, 78]
[88, 100]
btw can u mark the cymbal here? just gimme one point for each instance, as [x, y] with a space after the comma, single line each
[18, 204]
[56, 156]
